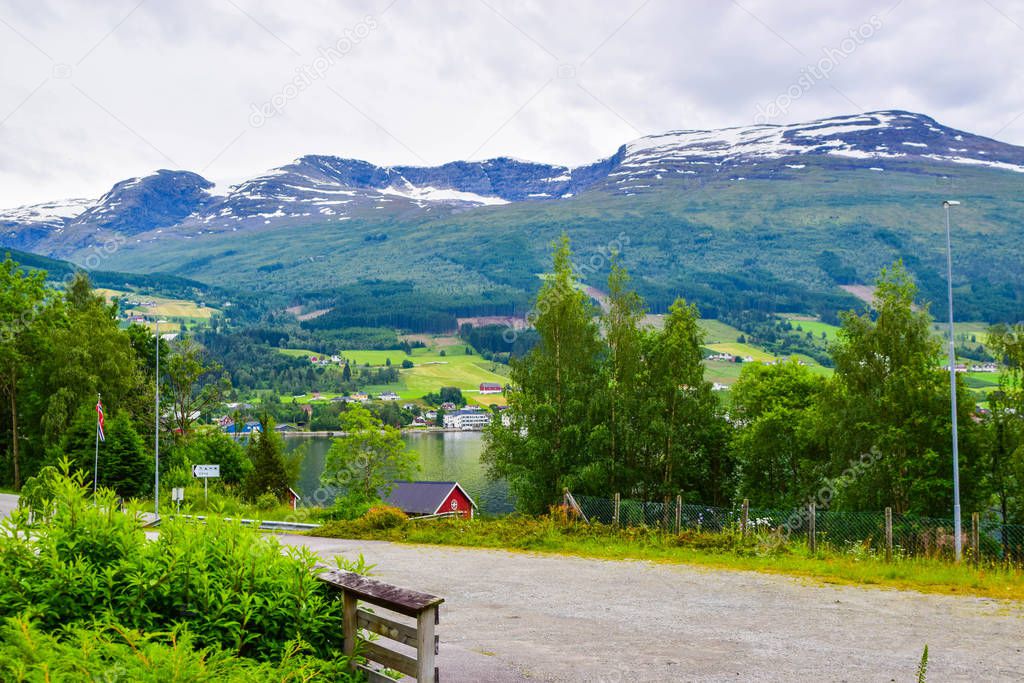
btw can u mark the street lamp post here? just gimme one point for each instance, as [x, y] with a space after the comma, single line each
[156, 441]
[952, 384]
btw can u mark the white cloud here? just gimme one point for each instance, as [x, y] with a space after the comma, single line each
[174, 84]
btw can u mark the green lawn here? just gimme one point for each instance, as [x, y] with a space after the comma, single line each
[431, 371]
[741, 350]
[815, 327]
[717, 332]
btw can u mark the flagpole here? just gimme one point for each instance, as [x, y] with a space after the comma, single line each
[96, 461]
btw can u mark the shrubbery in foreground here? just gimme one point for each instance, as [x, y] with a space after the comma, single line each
[86, 594]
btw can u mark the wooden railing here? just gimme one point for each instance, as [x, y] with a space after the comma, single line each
[419, 638]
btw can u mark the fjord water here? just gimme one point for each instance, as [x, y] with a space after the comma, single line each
[444, 456]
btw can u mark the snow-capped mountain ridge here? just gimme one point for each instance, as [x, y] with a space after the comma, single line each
[330, 189]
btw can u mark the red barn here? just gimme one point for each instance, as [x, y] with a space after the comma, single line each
[417, 498]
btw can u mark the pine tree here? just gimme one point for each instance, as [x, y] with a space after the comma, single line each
[269, 473]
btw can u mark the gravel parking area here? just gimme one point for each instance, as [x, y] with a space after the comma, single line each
[526, 617]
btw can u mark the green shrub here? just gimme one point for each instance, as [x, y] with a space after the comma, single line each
[267, 501]
[384, 517]
[229, 587]
[83, 654]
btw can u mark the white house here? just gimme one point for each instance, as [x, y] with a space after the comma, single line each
[467, 420]
[389, 396]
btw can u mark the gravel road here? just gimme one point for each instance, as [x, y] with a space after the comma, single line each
[526, 617]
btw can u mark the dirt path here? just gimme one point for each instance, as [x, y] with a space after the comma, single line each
[514, 616]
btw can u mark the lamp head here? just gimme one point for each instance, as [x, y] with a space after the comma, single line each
[950, 202]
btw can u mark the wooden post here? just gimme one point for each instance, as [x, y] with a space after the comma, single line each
[975, 537]
[679, 513]
[888, 534]
[745, 518]
[615, 514]
[349, 622]
[565, 499]
[812, 537]
[426, 645]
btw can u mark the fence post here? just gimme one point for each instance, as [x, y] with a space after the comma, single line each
[565, 499]
[349, 628]
[615, 511]
[679, 513]
[745, 517]
[888, 534]
[812, 538]
[975, 540]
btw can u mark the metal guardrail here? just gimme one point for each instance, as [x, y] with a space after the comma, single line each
[264, 525]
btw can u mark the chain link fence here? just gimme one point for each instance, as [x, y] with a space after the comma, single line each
[912, 536]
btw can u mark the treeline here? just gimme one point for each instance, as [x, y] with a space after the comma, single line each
[722, 295]
[401, 305]
[498, 342]
[612, 406]
[779, 336]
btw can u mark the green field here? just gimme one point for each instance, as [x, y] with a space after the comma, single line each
[741, 350]
[815, 327]
[430, 372]
[964, 331]
[164, 308]
[717, 332]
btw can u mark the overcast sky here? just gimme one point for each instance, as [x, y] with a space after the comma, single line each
[95, 92]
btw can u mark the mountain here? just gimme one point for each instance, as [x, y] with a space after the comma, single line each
[770, 215]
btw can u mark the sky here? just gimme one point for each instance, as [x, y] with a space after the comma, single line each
[95, 92]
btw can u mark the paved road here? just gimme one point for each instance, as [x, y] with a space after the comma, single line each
[8, 501]
[522, 617]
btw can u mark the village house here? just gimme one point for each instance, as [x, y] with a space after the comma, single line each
[389, 396]
[467, 420]
[490, 388]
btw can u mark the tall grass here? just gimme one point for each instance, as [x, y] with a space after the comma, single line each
[855, 565]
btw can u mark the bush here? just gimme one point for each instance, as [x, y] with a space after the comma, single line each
[231, 588]
[267, 501]
[384, 517]
[27, 653]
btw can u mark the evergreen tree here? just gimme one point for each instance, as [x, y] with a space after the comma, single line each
[125, 465]
[266, 453]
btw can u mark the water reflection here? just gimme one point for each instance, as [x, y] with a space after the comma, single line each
[447, 456]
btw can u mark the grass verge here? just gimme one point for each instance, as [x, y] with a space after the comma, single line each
[856, 565]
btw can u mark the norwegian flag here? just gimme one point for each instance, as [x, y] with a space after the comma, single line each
[99, 421]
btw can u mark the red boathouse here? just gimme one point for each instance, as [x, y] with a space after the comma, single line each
[417, 498]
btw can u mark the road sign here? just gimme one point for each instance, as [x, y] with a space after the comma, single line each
[177, 494]
[206, 471]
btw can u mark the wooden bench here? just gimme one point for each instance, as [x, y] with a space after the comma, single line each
[422, 607]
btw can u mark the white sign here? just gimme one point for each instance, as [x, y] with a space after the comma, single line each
[205, 471]
[177, 494]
